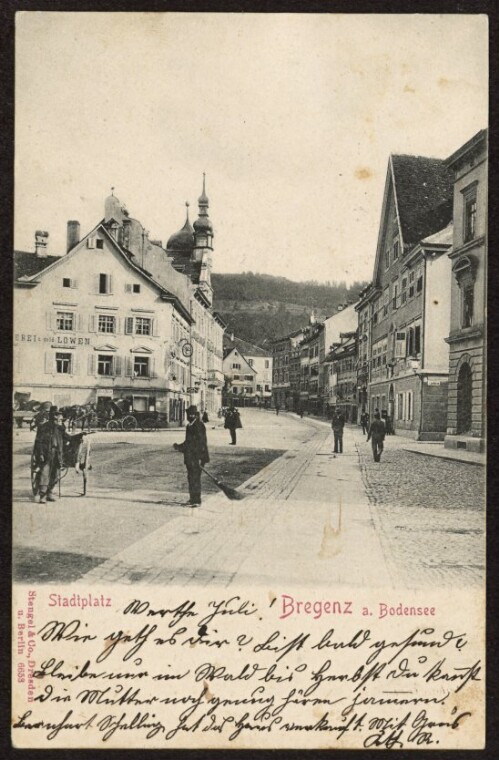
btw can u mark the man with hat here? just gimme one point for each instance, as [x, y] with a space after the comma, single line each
[195, 451]
[48, 453]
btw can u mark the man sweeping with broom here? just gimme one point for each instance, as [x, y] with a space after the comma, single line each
[195, 451]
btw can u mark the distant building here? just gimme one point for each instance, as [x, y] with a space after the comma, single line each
[119, 317]
[343, 321]
[468, 257]
[248, 373]
[311, 361]
[286, 371]
[342, 364]
[409, 300]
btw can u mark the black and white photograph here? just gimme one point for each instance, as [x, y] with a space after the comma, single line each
[250, 276]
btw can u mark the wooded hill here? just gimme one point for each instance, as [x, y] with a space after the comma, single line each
[259, 308]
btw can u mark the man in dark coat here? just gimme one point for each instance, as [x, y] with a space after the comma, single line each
[195, 451]
[338, 424]
[377, 433]
[49, 452]
[232, 423]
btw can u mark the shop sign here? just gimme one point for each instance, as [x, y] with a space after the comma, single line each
[56, 340]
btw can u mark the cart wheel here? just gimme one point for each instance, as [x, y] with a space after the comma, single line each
[129, 422]
[149, 424]
[35, 477]
[113, 425]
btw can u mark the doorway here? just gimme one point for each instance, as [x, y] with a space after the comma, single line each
[464, 399]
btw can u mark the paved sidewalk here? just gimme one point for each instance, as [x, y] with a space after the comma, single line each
[306, 519]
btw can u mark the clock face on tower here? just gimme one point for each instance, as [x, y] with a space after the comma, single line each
[187, 349]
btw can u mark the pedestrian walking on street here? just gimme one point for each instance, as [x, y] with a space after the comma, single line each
[338, 424]
[364, 421]
[232, 423]
[277, 407]
[376, 435]
[195, 451]
[205, 417]
[48, 453]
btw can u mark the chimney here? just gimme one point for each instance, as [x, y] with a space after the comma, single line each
[41, 238]
[232, 337]
[73, 236]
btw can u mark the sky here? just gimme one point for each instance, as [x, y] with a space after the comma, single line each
[291, 116]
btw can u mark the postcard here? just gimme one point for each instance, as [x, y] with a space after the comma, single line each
[249, 386]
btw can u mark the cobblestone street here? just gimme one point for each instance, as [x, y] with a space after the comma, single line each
[429, 514]
[418, 518]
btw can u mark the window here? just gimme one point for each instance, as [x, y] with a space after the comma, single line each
[65, 320]
[63, 364]
[267, 363]
[141, 366]
[250, 362]
[142, 326]
[387, 258]
[234, 390]
[104, 283]
[396, 249]
[135, 288]
[138, 326]
[99, 243]
[66, 282]
[419, 281]
[236, 377]
[267, 388]
[410, 342]
[467, 295]
[469, 217]
[395, 295]
[106, 324]
[105, 365]
[236, 366]
[248, 377]
[403, 290]
[417, 339]
[409, 405]
[386, 301]
[411, 284]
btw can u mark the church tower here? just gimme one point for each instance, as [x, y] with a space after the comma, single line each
[203, 244]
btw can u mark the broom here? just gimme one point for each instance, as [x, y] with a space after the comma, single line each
[231, 493]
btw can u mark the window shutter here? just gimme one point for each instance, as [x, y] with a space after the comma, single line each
[128, 288]
[91, 323]
[50, 320]
[129, 366]
[75, 364]
[79, 321]
[152, 365]
[109, 283]
[117, 325]
[49, 362]
[117, 365]
[74, 283]
[128, 325]
[154, 328]
[91, 364]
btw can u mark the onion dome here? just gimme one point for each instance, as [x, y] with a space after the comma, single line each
[203, 223]
[183, 240]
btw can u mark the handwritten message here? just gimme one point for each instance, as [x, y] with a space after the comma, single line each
[162, 668]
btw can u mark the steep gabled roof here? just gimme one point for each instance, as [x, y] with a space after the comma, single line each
[47, 262]
[244, 348]
[424, 195]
